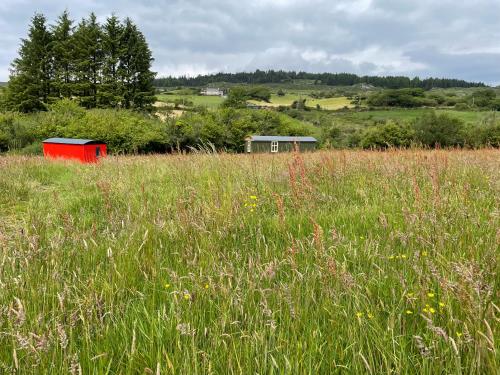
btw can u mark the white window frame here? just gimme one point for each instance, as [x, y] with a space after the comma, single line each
[274, 146]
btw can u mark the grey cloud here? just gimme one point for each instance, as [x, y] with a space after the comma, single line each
[426, 38]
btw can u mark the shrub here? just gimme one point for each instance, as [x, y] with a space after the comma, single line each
[439, 130]
[391, 134]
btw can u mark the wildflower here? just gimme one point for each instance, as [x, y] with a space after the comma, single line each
[403, 256]
[206, 286]
[359, 314]
[425, 310]
[252, 210]
[370, 316]
[441, 304]
[167, 285]
[409, 312]
[459, 334]
[424, 253]
[432, 310]
[391, 257]
[187, 296]
[430, 295]
[253, 197]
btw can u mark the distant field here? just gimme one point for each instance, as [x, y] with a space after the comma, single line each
[410, 114]
[288, 99]
[323, 263]
[198, 100]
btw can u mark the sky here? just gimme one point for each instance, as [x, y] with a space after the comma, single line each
[439, 38]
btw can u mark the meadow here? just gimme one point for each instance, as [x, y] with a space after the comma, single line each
[331, 262]
[287, 100]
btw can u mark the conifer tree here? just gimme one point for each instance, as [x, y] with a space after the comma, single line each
[30, 80]
[62, 58]
[88, 60]
[111, 94]
[134, 69]
[100, 66]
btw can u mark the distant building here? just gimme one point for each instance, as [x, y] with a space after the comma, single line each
[273, 144]
[212, 91]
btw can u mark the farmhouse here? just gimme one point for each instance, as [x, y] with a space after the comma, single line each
[84, 150]
[259, 143]
[212, 91]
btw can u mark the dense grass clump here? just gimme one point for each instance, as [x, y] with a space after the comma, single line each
[332, 262]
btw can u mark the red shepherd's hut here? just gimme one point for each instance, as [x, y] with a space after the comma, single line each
[85, 150]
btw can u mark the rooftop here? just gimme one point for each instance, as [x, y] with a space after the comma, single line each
[279, 138]
[71, 141]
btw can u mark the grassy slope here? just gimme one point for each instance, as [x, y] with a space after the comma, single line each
[288, 99]
[163, 263]
[207, 101]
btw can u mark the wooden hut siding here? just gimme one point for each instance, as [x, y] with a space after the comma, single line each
[270, 144]
[85, 150]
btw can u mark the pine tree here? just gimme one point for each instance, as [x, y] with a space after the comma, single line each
[62, 56]
[134, 69]
[88, 60]
[111, 94]
[29, 84]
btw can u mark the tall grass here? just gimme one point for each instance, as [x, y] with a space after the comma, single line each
[332, 262]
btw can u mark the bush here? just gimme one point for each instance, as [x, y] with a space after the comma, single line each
[391, 134]
[439, 130]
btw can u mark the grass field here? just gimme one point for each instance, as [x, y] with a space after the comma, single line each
[411, 114]
[288, 99]
[331, 262]
[198, 100]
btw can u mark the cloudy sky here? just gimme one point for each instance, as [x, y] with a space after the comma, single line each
[445, 38]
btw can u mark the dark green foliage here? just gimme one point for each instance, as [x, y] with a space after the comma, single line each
[390, 134]
[484, 98]
[405, 98]
[331, 79]
[439, 130]
[101, 66]
[299, 104]
[111, 86]
[239, 95]
[134, 69]
[228, 127]
[61, 54]
[280, 92]
[123, 131]
[30, 82]
[88, 60]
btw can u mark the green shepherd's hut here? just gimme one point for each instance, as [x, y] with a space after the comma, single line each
[271, 143]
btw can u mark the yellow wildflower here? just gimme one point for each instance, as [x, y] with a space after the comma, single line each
[424, 253]
[403, 256]
[206, 286]
[187, 296]
[370, 316]
[430, 295]
[459, 334]
[441, 304]
[408, 312]
[359, 314]
[425, 310]
[252, 210]
[167, 286]
[432, 311]
[253, 197]
[391, 257]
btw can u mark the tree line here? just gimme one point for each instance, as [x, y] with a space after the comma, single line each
[330, 79]
[99, 66]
